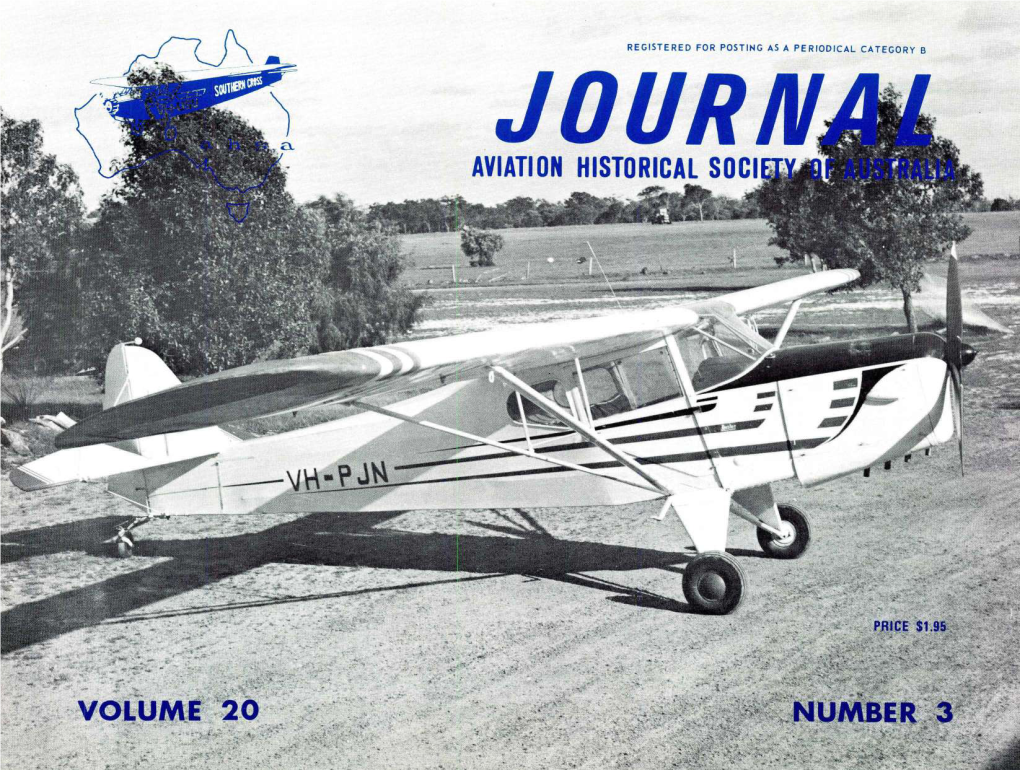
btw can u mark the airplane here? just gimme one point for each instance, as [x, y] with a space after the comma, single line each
[136, 105]
[687, 406]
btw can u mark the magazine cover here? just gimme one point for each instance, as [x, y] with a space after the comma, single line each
[510, 385]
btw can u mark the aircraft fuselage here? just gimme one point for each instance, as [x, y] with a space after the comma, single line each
[813, 413]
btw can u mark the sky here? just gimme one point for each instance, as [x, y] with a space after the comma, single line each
[394, 100]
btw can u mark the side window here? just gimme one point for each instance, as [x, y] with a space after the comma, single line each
[600, 385]
[551, 389]
[636, 380]
[650, 377]
[606, 390]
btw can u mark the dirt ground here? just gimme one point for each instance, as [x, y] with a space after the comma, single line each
[547, 638]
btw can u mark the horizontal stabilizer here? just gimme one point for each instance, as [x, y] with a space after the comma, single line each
[79, 464]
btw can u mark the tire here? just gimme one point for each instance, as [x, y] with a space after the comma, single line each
[714, 583]
[125, 546]
[796, 522]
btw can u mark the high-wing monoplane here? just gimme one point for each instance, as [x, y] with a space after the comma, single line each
[687, 406]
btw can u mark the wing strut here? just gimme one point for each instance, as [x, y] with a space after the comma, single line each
[655, 488]
[553, 410]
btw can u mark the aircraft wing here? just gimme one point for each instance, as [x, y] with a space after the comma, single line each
[781, 292]
[274, 387]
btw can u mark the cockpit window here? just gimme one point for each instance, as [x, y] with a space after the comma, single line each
[719, 348]
[635, 380]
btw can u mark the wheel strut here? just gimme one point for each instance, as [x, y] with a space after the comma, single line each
[124, 539]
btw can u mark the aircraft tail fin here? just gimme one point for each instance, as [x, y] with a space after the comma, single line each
[273, 60]
[133, 372]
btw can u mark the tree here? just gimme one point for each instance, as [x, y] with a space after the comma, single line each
[582, 208]
[697, 196]
[166, 263]
[40, 217]
[885, 227]
[801, 220]
[480, 245]
[362, 302]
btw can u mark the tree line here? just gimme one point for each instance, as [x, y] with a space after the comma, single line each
[450, 213]
[653, 204]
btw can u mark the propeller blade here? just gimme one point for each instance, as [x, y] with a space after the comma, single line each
[954, 344]
[954, 314]
[957, 381]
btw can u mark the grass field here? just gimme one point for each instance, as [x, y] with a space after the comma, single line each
[624, 250]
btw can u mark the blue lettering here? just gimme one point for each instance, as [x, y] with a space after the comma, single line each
[865, 86]
[851, 713]
[721, 113]
[786, 90]
[171, 712]
[906, 137]
[568, 126]
[504, 130]
[639, 109]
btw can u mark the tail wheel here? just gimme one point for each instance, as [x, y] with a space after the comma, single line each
[714, 583]
[125, 545]
[796, 529]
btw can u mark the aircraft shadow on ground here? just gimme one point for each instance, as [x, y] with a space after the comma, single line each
[521, 546]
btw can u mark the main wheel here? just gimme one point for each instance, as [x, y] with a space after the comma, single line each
[796, 528]
[714, 583]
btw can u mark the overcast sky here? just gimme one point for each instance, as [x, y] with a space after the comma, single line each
[394, 100]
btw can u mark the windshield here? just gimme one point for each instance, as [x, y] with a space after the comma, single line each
[719, 348]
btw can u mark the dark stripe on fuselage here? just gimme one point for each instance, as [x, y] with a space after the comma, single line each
[869, 379]
[699, 409]
[803, 361]
[662, 435]
[749, 449]
[832, 422]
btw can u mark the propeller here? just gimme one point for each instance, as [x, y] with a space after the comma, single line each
[954, 345]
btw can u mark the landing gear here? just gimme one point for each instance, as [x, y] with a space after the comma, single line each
[125, 544]
[796, 534]
[714, 583]
[125, 539]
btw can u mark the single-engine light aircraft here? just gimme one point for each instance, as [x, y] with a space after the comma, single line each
[688, 406]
